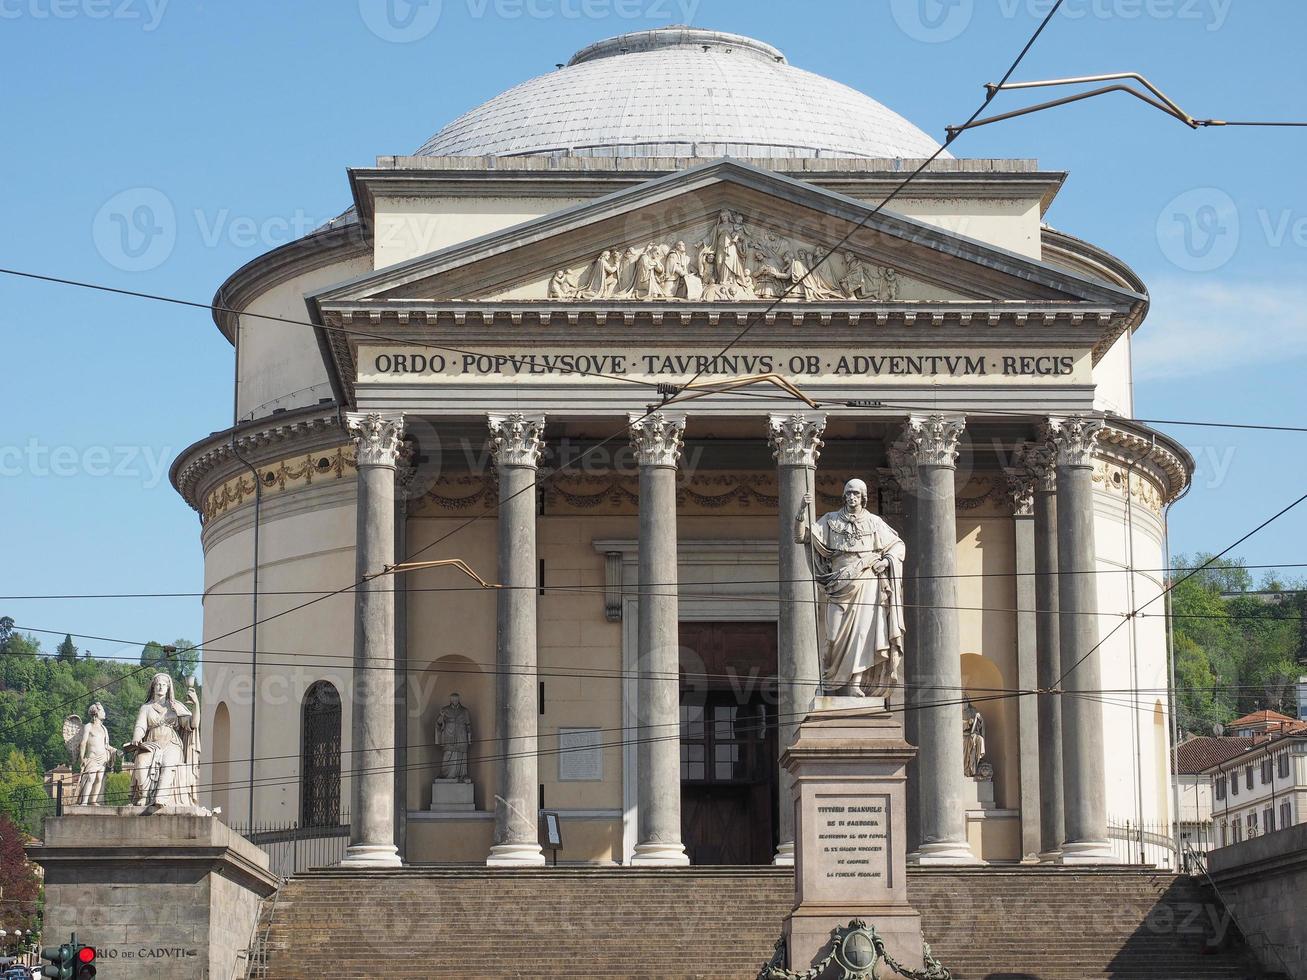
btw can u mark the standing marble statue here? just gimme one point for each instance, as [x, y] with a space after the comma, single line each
[88, 746]
[454, 736]
[973, 740]
[858, 560]
[166, 745]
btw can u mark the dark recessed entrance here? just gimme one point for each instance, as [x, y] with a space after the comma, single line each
[728, 742]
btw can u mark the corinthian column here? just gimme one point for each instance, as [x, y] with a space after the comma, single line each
[1083, 764]
[904, 489]
[515, 446]
[933, 441]
[796, 444]
[372, 716]
[657, 440]
[1041, 462]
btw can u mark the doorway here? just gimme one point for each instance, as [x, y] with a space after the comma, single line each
[728, 742]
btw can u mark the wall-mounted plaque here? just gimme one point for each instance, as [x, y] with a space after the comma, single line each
[580, 755]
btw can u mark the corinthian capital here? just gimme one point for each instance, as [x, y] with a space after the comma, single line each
[657, 438]
[902, 461]
[796, 438]
[1074, 437]
[1039, 460]
[932, 440]
[1020, 490]
[515, 438]
[377, 437]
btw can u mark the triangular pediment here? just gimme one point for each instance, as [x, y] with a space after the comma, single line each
[723, 233]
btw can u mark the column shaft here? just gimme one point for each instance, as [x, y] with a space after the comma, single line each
[515, 441]
[657, 441]
[1049, 667]
[1030, 751]
[1083, 763]
[796, 443]
[372, 716]
[942, 815]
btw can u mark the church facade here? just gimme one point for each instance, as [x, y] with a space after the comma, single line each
[533, 422]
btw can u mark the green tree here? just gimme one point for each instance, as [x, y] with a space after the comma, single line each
[67, 650]
[153, 655]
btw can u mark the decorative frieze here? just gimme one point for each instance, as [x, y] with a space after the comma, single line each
[377, 437]
[796, 438]
[278, 477]
[515, 438]
[658, 437]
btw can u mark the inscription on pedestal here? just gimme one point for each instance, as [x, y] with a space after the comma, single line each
[853, 838]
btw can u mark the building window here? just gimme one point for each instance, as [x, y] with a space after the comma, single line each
[1234, 783]
[1284, 765]
[1237, 827]
[1268, 819]
[1252, 824]
[1266, 770]
[320, 754]
[1220, 787]
[1286, 815]
[1248, 776]
[1225, 833]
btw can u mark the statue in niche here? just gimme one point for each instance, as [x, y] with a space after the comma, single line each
[454, 736]
[165, 747]
[91, 754]
[973, 743]
[858, 561]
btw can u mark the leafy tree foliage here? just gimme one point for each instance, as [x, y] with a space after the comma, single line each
[1237, 649]
[20, 889]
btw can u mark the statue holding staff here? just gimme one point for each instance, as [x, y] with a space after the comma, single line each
[858, 562]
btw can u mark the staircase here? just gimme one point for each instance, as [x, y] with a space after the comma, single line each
[720, 923]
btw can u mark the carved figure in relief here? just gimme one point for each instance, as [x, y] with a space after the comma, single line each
[166, 747]
[646, 282]
[601, 280]
[858, 561]
[563, 285]
[91, 754]
[973, 740]
[454, 736]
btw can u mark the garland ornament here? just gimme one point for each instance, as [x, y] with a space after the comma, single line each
[857, 952]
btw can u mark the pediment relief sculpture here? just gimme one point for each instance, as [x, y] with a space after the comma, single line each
[732, 261]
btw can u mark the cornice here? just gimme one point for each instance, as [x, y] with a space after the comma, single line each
[1086, 259]
[1134, 445]
[213, 459]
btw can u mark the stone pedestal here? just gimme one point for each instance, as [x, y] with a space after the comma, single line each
[173, 894]
[451, 796]
[848, 764]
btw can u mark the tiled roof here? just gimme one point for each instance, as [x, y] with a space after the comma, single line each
[1201, 753]
[682, 92]
[1267, 719]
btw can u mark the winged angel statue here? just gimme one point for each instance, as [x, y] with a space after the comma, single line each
[90, 753]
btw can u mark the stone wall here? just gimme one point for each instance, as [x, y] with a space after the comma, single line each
[1263, 881]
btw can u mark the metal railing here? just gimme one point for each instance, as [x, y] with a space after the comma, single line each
[292, 848]
[1146, 844]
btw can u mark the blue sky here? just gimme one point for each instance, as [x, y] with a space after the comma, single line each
[242, 117]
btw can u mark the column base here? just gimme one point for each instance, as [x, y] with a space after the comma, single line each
[515, 856]
[784, 855]
[943, 852]
[1050, 857]
[660, 855]
[1088, 852]
[371, 856]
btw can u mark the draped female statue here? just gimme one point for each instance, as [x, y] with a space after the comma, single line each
[166, 744]
[858, 561]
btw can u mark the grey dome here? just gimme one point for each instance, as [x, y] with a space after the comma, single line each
[680, 91]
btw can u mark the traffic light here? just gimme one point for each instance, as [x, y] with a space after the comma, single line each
[84, 960]
[61, 962]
